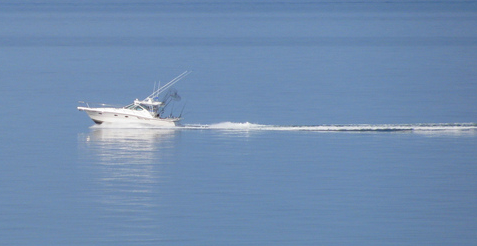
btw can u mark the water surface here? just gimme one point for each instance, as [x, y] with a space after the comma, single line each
[306, 123]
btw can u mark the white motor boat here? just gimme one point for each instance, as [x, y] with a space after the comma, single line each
[148, 111]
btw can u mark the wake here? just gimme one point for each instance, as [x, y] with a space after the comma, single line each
[347, 128]
[247, 126]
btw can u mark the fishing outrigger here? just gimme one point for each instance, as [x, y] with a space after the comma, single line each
[151, 110]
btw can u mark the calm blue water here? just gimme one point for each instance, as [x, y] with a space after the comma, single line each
[306, 123]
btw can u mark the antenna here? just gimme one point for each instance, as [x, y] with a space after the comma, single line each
[180, 115]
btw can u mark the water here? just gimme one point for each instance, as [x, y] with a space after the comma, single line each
[306, 123]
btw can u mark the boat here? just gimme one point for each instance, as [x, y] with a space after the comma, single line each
[149, 111]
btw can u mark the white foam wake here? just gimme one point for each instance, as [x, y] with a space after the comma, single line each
[247, 126]
[237, 126]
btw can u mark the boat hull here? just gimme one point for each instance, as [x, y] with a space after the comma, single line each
[100, 116]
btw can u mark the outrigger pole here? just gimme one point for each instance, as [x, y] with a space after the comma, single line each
[166, 86]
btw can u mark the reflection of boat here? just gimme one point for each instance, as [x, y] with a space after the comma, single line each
[130, 138]
[149, 111]
[125, 170]
[123, 146]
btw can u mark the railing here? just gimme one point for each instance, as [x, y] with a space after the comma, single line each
[99, 105]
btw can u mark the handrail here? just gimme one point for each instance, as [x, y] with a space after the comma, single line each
[100, 104]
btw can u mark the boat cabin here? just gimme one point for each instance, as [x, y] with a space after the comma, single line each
[148, 105]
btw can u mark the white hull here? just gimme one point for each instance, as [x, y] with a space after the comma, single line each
[115, 115]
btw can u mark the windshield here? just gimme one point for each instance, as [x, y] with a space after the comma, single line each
[136, 107]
